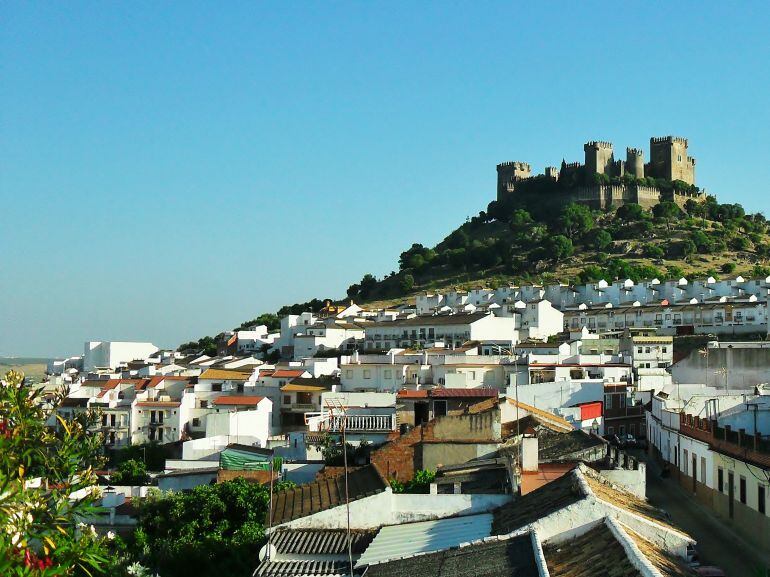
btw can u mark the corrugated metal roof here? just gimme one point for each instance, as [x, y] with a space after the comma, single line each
[320, 541]
[320, 568]
[397, 541]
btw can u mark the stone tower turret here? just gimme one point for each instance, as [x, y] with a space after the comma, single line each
[508, 173]
[635, 162]
[599, 159]
[669, 160]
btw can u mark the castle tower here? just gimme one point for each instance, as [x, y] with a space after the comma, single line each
[552, 172]
[635, 162]
[599, 159]
[669, 160]
[508, 173]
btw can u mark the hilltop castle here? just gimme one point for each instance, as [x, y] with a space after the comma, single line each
[602, 181]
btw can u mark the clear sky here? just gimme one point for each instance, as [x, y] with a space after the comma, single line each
[168, 170]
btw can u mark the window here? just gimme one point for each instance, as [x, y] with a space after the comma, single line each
[196, 422]
[387, 373]
[685, 462]
[287, 399]
[204, 404]
[216, 387]
[639, 350]
[607, 401]
[472, 375]
[622, 430]
[647, 349]
[367, 374]
[348, 374]
[720, 480]
[663, 349]
[761, 498]
[703, 470]
[610, 430]
[742, 489]
[622, 401]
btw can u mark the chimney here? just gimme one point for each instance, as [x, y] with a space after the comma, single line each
[529, 451]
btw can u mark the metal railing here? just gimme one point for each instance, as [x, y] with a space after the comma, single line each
[362, 423]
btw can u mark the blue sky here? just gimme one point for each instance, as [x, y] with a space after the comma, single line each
[168, 170]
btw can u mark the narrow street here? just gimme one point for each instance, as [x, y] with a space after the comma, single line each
[717, 544]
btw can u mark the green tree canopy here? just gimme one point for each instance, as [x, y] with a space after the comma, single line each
[210, 530]
[575, 220]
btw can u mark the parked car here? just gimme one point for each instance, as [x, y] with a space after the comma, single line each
[709, 571]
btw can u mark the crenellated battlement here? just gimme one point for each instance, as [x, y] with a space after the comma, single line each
[669, 162]
[595, 144]
[514, 164]
[663, 139]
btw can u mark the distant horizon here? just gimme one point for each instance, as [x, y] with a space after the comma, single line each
[169, 171]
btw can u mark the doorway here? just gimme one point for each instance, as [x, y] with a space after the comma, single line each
[731, 493]
[439, 408]
[420, 413]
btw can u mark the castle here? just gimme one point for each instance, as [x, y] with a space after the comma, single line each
[602, 181]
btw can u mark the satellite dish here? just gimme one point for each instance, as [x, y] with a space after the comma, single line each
[263, 552]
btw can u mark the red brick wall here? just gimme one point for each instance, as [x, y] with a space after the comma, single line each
[396, 459]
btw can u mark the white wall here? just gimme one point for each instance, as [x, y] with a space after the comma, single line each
[112, 353]
[387, 508]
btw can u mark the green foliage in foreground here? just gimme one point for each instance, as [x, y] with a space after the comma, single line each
[43, 532]
[420, 483]
[210, 530]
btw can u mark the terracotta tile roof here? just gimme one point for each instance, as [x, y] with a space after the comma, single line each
[298, 387]
[310, 498]
[463, 393]
[266, 372]
[405, 394]
[606, 491]
[556, 495]
[231, 400]
[108, 386]
[225, 374]
[596, 552]
[663, 561]
[288, 373]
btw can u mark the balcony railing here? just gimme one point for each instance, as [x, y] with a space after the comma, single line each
[370, 423]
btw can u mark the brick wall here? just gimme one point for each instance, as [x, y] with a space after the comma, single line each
[398, 458]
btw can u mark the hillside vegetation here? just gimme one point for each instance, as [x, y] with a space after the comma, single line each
[511, 243]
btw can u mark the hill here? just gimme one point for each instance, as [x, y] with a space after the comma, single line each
[516, 243]
[508, 245]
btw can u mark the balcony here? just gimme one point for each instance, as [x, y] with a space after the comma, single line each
[361, 423]
[300, 407]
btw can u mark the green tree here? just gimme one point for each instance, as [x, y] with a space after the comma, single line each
[271, 321]
[702, 241]
[130, 472]
[740, 243]
[630, 212]
[602, 239]
[560, 247]
[728, 268]
[406, 283]
[43, 530]
[674, 272]
[667, 211]
[575, 220]
[210, 530]
[654, 251]
[368, 284]
[458, 239]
